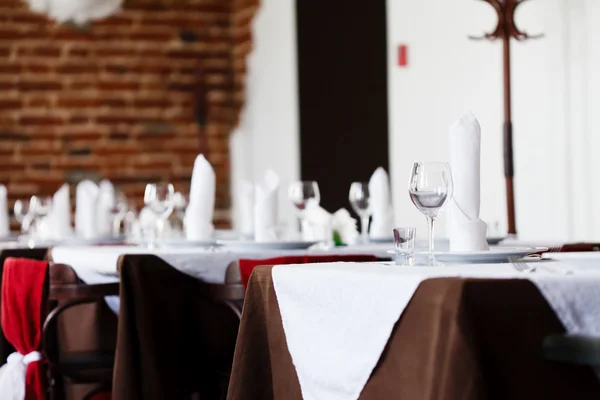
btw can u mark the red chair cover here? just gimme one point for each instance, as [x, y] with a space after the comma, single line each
[101, 396]
[22, 301]
[247, 266]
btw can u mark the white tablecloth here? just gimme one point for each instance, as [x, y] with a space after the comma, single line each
[98, 264]
[338, 317]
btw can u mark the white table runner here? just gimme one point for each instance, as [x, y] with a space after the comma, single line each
[337, 317]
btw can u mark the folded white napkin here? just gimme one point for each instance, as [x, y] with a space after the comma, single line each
[382, 223]
[246, 209]
[201, 207]
[317, 223]
[60, 216]
[4, 223]
[467, 231]
[106, 199]
[343, 223]
[266, 217]
[86, 197]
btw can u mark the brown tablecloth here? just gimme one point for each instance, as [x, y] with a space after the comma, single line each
[36, 254]
[171, 341]
[457, 339]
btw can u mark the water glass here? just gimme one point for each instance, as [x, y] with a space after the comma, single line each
[404, 244]
[360, 200]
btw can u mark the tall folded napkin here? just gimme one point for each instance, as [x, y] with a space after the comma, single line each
[86, 197]
[467, 231]
[23, 280]
[382, 224]
[60, 216]
[246, 209]
[4, 224]
[199, 213]
[266, 208]
[106, 199]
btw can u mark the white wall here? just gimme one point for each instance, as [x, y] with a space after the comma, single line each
[268, 133]
[556, 95]
[553, 93]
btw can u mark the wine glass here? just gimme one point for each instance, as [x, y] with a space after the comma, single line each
[360, 200]
[180, 203]
[158, 197]
[303, 195]
[23, 214]
[430, 188]
[118, 211]
[41, 206]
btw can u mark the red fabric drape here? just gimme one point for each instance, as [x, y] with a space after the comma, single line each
[247, 266]
[22, 301]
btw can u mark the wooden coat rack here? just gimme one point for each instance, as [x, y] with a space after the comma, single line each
[505, 30]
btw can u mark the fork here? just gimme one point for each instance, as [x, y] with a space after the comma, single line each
[521, 266]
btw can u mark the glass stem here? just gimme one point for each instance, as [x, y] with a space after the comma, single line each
[364, 223]
[430, 225]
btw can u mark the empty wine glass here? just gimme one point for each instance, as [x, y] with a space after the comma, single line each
[41, 206]
[303, 195]
[118, 209]
[360, 200]
[180, 203]
[158, 197]
[23, 214]
[430, 188]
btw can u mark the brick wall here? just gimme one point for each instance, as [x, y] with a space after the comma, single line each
[120, 99]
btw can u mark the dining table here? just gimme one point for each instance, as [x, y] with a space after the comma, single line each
[381, 331]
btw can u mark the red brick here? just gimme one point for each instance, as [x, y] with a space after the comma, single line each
[40, 51]
[79, 119]
[46, 85]
[40, 120]
[79, 52]
[118, 85]
[78, 102]
[77, 68]
[11, 104]
[113, 52]
[152, 36]
[37, 68]
[116, 119]
[10, 69]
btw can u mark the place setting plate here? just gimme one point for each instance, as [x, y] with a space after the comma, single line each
[493, 255]
[249, 246]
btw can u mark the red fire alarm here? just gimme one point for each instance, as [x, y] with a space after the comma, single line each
[402, 55]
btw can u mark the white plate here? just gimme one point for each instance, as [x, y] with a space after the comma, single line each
[187, 243]
[493, 255]
[266, 245]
